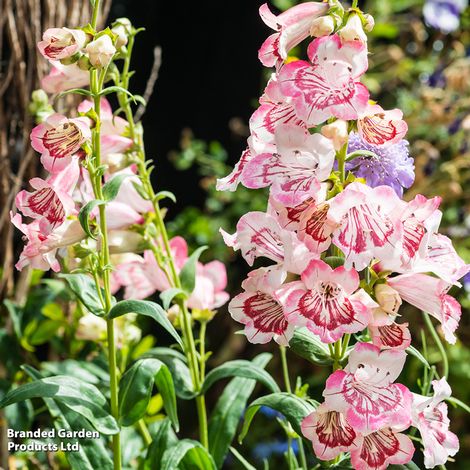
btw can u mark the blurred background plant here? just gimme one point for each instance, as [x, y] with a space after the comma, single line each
[420, 63]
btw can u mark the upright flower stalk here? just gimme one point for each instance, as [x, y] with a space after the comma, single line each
[345, 249]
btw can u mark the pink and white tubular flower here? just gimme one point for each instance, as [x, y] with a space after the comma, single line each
[64, 77]
[255, 147]
[329, 432]
[274, 111]
[327, 302]
[61, 43]
[379, 127]
[259, 234]
[58, 139]
[364, 391]
[429, 415]
[209, 293]
[42, 244]
[52, 198]
[328, 85]
[295, 169]
[367, 228]
[429, 294]
[381, 448]
[392, 336]
[260, 307]
[141, 276]
[292, 27]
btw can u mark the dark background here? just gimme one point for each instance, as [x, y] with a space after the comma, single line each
[210, 73]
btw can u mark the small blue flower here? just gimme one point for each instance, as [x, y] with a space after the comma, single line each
[444, 14]
[270, 413]
[265, 449]
[392, 167]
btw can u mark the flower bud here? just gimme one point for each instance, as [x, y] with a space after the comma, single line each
[322, 26]
[369, 22]
[122, 28]
[388, 298]
[91, 328]
[353, 30]
[101, 51]
[337, 132]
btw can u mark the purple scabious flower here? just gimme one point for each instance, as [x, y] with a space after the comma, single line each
[444, 14]
[392, 167]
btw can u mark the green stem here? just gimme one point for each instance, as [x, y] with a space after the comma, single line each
[95, 85]
[354, 3]
[144, 432]
[285, 370]
[439, 344]
[202, 350]
[341, 157]
[345, 344]
[144, 173]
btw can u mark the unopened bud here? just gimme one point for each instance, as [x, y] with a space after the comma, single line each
[122, 28]
[369, 22]
[388, 298]
[101, 51]
[322, 26]
[337, 132]
[353, 30]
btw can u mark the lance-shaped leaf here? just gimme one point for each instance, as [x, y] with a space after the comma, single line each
[81, 397]
[291, 406]
[228, 411]
[112, 187]
[309, 346]
[176, 362]
[84, 289]
[84, 215]
[240, 368]
[169, 295]
[163, 437]
[188, 272]
[148, 309]
[92, 453]
[135, 390]
[188, 452]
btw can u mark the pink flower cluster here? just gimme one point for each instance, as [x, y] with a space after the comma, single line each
[55, 202]
[315, 215]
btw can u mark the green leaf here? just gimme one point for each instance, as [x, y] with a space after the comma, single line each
[120, 89]
[135, 390]
[92, 453]
[188, 273]
[334, 261]
[190, 452]
[307, 345]
[176, 362]
[81, 397]
[162, 438]
[240, 368]
[292, 407]
[168, 295]
[241, 459]
[45, 331]
[76, 91]
[228, 410]
[148, 309]
[84, 288]
[407, 466]
[414, 352]
[84, 215]
[81, 370]
[165, 194]
[112, 187]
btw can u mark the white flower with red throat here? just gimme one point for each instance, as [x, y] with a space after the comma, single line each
[328, 302]
[58, 139]
[275, 110]
[381, 448]
[379, 127]
[295, 169]
[329, 432]
[260, 307]
[292, 27]
[328, 86]
[51, 199]
[259, 234]
[367, 228]
[430, 417]
[364, 391]
[61, 43]
[429, 294]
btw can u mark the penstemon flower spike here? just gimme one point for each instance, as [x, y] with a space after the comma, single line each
[347, 251]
